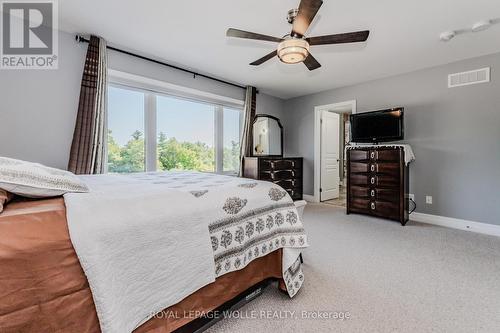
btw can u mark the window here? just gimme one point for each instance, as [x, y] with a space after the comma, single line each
[125, 130]
[186, 135]
[150, 131]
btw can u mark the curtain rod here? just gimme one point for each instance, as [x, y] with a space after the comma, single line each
[81, 39]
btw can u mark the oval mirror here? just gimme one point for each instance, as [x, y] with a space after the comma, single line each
[267, 136]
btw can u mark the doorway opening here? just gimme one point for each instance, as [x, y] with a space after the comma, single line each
[332, 134]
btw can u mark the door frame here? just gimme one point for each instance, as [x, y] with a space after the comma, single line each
[317, 140]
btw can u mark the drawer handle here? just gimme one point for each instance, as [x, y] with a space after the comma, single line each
[372, 180]
[372, 154]
[372, 193]
[293, 164]
[372, 205]
[372, 168]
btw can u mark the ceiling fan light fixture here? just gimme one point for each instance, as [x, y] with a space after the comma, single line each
[293, 50]
[294, 46]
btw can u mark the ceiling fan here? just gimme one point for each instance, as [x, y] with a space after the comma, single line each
[294, 47]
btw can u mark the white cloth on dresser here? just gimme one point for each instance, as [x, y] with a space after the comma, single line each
[409, 155]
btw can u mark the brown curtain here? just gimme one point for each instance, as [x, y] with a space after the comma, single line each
[246, 142]
[88, 149]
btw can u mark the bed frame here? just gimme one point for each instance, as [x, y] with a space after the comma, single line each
[203, 323]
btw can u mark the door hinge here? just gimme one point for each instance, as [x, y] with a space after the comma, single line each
[320, 190]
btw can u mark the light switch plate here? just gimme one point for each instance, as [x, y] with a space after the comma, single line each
[428, 199]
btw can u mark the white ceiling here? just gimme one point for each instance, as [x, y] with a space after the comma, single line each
[404, 36]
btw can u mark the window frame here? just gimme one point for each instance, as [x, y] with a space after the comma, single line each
[151, 88]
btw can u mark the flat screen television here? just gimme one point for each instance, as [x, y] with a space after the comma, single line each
[378, 126]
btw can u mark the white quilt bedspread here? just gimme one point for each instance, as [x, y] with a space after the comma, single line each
[146, 241]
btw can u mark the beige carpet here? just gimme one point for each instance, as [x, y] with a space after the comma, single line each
[417, 278]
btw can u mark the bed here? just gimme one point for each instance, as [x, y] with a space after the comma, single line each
[50, 283]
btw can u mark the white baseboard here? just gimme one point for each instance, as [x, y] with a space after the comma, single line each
[450, 222]
[309, 198]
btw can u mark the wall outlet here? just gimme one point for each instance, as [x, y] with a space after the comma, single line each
[411, 196]
[428, 199]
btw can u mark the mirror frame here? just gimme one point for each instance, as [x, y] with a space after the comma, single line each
[262, 115]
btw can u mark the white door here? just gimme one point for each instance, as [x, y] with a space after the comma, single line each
[330, 157]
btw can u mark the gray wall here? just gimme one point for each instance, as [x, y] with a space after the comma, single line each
[455, 134]
[271, 105]
[38, 107]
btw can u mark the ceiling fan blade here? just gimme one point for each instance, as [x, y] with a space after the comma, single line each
[264, 58]
[307, 12]
[311, 62]
[250, 35]
[349, 37]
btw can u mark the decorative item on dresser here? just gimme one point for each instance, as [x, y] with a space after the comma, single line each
[283, 171]
[377, 181]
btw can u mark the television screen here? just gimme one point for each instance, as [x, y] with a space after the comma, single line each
[377, 126]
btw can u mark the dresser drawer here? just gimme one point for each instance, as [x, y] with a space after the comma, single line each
[375, 207]
[384, 209]
[359, 167]
[372, 180]
[288, 183]
[358, 155]
[375, 167]
[359, 192]
[383, 181]
[380, 194]
[386, 168]
[281, 175]
[359, 205]
[282, 164]
[384, 194]
[359, 179]
[389, 155]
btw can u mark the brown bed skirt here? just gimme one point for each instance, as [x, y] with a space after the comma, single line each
[44, 289]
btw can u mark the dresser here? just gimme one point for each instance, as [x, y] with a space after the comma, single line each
[377, 182]
[283, 171]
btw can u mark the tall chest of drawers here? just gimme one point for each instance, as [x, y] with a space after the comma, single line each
[377, 182]
[283, 171]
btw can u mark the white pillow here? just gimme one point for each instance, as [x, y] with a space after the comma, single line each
[37, 181]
